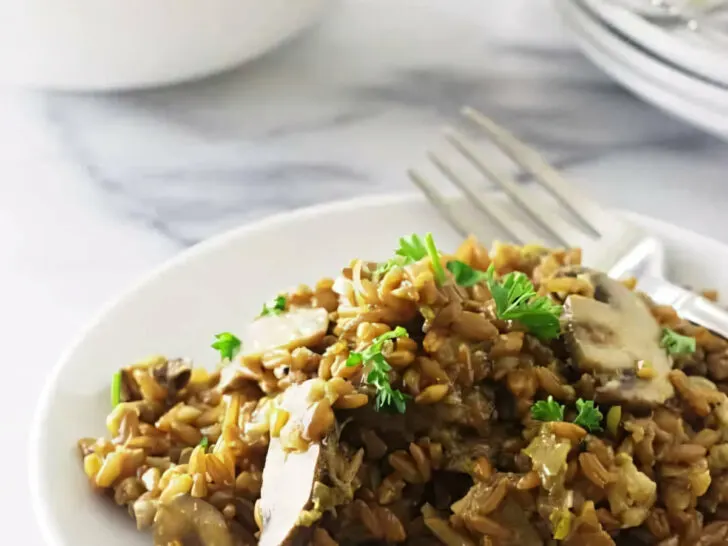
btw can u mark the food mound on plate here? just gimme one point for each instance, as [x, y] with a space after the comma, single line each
[502, 398]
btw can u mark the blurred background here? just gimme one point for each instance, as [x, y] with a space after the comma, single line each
[131, 131]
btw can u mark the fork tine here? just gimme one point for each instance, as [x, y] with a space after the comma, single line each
[584, 210]
[514, 232]
[439, 202]
[504, 181]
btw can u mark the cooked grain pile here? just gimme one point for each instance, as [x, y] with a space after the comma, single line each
[496, 398]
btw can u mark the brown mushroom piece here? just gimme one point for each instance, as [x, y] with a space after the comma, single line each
[289, 478]
[188, 521]
[611, 337]
[173, 374]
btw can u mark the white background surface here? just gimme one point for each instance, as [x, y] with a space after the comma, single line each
[95, 190]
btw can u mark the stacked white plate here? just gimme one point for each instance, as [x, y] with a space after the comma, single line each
[677, 60]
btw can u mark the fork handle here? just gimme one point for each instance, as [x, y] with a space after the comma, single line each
[688, 304]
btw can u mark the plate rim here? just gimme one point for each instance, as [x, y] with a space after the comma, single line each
[625, 23]
[41, 508]
[631, 75]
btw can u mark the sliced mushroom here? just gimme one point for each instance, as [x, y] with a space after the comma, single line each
[189, 521]
[299, 327]
[238, 378]
[288, 479]
[611, 337]
[173, 374]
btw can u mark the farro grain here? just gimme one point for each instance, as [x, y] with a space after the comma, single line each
[432, 394]
[403, 463]
[594, 470]
[569, 431]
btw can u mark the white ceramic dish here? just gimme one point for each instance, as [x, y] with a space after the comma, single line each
[124, 44]
[700, 53]
[218, 286]
[676, 92]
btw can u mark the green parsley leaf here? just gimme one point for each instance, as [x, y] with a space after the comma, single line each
[384, 267]
[589, 416]
[204, 443]
[464, 274]
[676, 344]
[116, 389]
[376, 347]
[516, 299]
[434, 255]
[387, 398]
[547, 410]
[412, 248]
[227, 344]
[275, 307]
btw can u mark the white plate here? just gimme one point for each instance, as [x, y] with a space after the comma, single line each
[217, 286]
[686, 97]
[702, 53]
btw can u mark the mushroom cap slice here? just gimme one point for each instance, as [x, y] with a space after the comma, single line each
[190, 521]
[299, 327]
[288, 478]
[610, 336]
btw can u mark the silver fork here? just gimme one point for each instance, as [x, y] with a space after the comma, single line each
[610, 242]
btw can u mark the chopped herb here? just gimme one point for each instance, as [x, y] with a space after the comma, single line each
[116, 389]
[275, 307]
[227, 344]
[464, 274]
[589, 416]
[676, 344]
[434, 255]
[378, 376]
[204, 443]
[516, 299]
[384, 267]
[412, 248]
[547, 410]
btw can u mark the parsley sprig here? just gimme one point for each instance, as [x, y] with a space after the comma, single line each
[588, 415]
[434, 255]
[275, 307]
[413, 249]
[516, 299]
[547, 410]
[379, 368]
[677, 344]
[227, 344]
[465, 275]
[116, 389]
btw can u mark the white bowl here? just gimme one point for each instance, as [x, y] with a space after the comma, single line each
[124, 44]
[217, 286]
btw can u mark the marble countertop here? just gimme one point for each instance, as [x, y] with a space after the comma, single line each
[95, 190]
